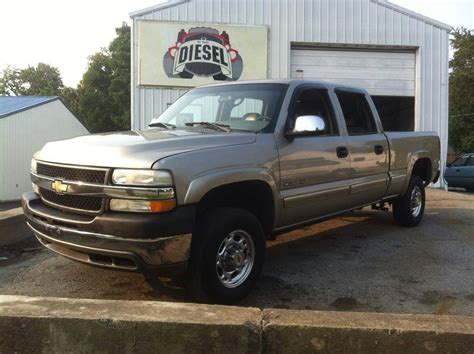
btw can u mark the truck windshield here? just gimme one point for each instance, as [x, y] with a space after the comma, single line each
[236, 107]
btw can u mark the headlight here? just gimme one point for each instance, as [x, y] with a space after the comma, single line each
[33, 165]
[35, 188]
[156, 178]
[142, 206]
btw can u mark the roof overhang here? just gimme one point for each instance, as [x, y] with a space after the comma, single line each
[162, 6]
[385, 3]
[413, 14]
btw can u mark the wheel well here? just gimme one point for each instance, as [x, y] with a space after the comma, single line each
[254, 196]
[422, 169]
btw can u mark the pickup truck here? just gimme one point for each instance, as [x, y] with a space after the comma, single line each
[225, 168]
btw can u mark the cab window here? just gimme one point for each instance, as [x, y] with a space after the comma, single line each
[315, 102]
[459, 162]
[357, 113]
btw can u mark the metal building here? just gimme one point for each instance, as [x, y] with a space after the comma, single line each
[399, 56]
[27, 123]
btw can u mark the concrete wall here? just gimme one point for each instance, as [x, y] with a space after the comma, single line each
[53, 325]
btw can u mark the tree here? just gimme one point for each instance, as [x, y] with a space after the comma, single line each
[103, 95]
[461, 88]
[42, 80]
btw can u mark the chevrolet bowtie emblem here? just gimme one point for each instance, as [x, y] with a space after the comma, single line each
[59, 187]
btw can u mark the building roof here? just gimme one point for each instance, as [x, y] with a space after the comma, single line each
[13, 104]
[385, 3]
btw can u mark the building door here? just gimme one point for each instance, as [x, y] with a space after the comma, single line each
[388, 76]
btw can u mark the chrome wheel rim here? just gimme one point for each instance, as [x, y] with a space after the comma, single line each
[416, 201]
[235, 258]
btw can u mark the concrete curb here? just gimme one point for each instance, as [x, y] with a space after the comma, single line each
[13, 227]
[57, 325]
[287, 331]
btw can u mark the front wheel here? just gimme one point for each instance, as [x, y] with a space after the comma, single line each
[226, 256]
[408, 209]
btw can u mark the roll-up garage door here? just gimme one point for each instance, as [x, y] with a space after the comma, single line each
[381, 73]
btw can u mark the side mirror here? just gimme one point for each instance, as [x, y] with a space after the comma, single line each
[307, 125]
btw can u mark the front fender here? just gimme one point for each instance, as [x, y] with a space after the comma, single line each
[201, 185]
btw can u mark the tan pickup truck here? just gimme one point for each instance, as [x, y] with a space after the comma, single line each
[225, 168]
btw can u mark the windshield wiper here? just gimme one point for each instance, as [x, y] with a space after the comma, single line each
[162, 125]
[215, 126]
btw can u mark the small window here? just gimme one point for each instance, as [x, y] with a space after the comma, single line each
[357, 113]
[315, 102]
[459, 162]
[470, 163]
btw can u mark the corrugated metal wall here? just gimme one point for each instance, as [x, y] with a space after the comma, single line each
[26, 132]
[346, 22]
[381, 73]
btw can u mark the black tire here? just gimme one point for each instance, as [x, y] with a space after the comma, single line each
[204, 284]
[469, 189]
[402, 206]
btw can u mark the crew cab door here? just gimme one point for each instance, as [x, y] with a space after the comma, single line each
[314, 176]
[368, 148]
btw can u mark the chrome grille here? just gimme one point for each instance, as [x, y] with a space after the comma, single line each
[72, 201]
[72, 173]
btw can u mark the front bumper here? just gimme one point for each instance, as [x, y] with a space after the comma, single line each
[128, 241]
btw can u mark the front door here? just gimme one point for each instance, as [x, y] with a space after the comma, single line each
[368, 149]
[456, 174]
[314, 179]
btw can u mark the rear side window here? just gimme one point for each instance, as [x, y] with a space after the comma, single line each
[357, 113]
[470, 162]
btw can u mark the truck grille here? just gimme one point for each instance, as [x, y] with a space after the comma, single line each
[72, 201]
[72, 173]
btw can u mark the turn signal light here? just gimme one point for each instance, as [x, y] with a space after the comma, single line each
[159, 206]
[142, 206]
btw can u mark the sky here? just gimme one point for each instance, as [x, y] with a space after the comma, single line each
[63, 33]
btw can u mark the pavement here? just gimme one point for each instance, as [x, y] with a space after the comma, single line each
[361, 262]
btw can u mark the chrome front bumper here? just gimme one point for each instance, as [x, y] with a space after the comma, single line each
[165, 255]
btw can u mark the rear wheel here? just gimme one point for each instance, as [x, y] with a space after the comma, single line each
[470, 189]
[226, 257]
[408, 209]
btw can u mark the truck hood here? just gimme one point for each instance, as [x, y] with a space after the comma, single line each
[135, 149]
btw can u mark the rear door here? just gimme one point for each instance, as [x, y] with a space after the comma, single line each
[368, 148]
[468, 174]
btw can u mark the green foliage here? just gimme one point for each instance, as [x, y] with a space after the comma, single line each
[103, 95]
[69, 96]
[461, 91]
[43, 80]
[102, 98]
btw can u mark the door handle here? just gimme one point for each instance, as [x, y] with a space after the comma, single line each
[458, 170]
[378, 149]
[342, 152]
